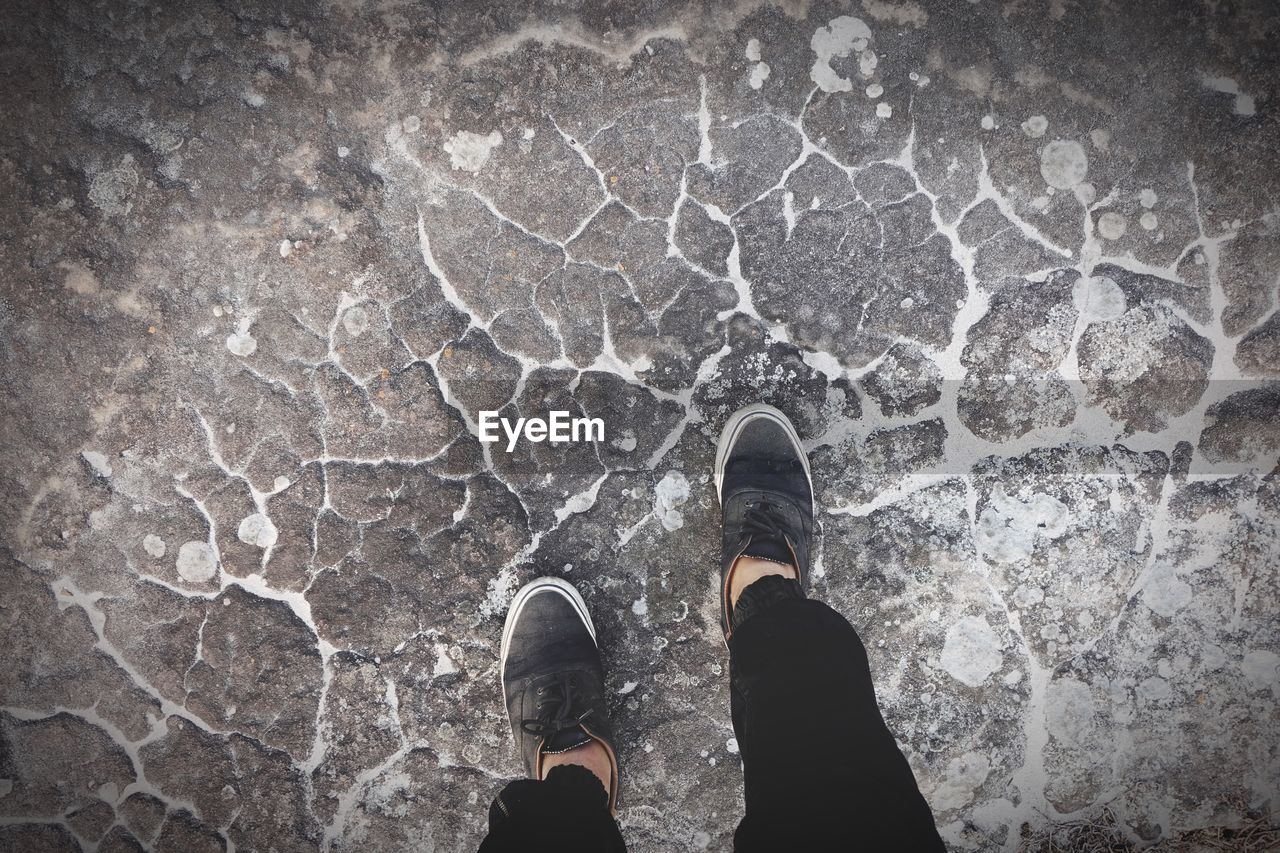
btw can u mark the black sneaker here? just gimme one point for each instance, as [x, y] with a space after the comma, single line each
[766, 496]
[552, 679]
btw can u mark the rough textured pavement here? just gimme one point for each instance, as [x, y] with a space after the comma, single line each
[1011, 267]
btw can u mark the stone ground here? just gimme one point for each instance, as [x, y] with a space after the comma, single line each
[1011, 267]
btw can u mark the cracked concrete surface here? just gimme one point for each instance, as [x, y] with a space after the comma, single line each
[1012, 268]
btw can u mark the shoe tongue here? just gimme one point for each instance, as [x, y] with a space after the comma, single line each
[769, 548]
[566, 739]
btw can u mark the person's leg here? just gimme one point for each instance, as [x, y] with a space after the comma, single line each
[566, 810]
[553, 684]
[818, 760]
[820, 766]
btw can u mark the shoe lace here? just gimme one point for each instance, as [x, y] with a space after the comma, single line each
[555, 708]
[766, 520]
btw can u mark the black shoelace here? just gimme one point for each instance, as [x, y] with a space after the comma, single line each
[555, 707]
[766, 520]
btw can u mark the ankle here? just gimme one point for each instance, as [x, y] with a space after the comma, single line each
[592, 756]
[748, 570]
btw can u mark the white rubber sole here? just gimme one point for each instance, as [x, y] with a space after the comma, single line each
[544, 586]
[738, 421]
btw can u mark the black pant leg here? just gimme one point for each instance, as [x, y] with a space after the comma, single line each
[820, 766]
[567, 812]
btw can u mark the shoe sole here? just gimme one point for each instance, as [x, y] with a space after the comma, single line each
[526, 592]
[733, 428]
